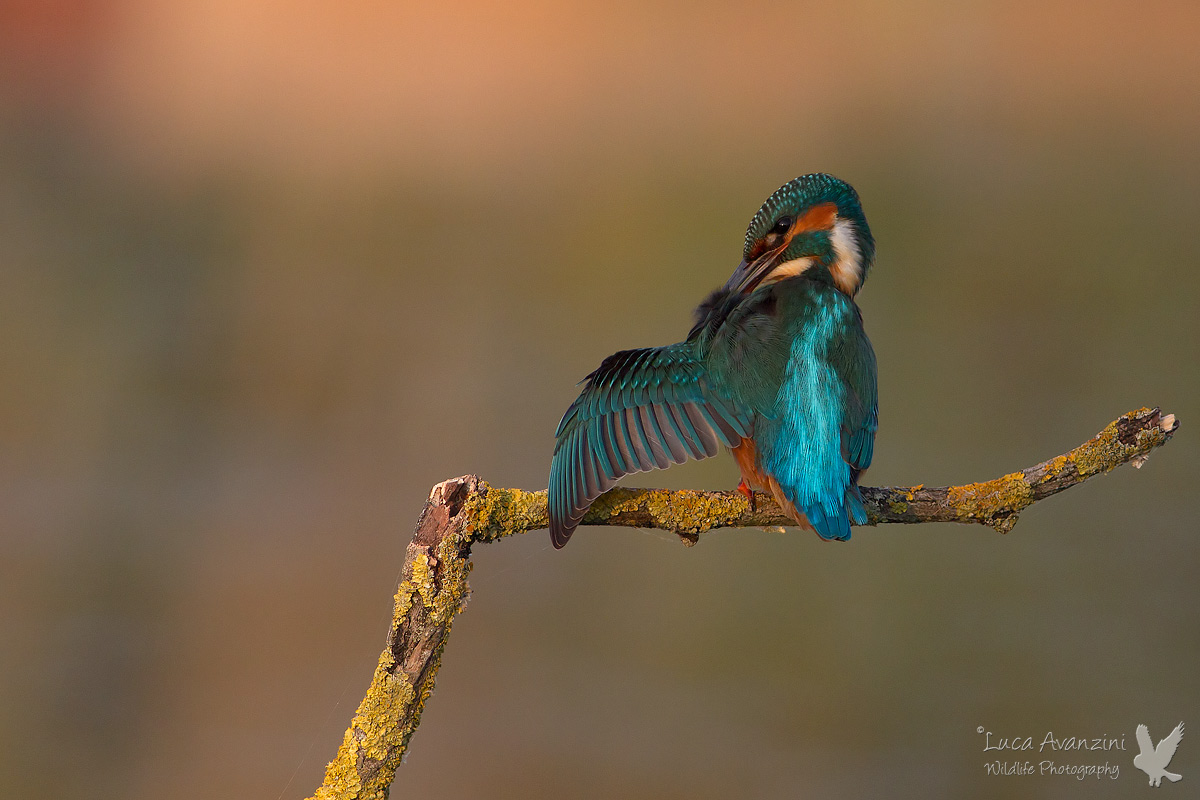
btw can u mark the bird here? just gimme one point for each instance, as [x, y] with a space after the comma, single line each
[1154, 760]
[777, 369]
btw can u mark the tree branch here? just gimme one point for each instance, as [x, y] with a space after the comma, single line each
[466, 510]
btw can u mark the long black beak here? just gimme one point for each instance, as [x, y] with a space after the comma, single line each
[749, 273]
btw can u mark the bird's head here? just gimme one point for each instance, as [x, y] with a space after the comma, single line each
[812, 222]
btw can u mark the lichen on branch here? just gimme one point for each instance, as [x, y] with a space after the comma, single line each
[996, 503]
[465, 511]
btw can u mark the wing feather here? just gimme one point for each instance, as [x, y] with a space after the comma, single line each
[1143, 739]
[672, 436]
[641, 410]
[612, 446]
[629, 459]
[691, 439]
[705, 432]
[604, 464]
[654, 435]
[1166, 748]
[853, 358]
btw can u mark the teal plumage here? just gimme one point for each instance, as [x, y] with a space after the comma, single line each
[818, 436]
[641, 410]
[777, 368]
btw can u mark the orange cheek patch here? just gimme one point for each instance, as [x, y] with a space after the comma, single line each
[817, 218]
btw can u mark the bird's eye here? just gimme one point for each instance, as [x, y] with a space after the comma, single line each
[778, 231]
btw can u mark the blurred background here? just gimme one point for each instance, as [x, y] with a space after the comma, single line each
[269, 271]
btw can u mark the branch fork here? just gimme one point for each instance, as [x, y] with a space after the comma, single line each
[465, 511]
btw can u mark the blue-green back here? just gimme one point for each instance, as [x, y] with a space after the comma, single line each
[794, 353]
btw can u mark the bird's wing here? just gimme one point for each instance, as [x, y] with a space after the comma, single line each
[1143, 740]
[641, 410]
[1166, 748]
[853, 359]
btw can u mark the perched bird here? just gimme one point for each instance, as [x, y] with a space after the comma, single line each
[777, 368]
[1154, 760]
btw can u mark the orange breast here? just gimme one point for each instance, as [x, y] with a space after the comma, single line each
[746, 456]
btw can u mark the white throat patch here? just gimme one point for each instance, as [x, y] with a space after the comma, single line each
[788, 269]
[847, 265]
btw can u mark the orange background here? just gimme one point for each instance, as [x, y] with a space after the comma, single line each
[268, 271]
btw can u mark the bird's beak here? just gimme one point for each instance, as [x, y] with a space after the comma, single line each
[749, 273]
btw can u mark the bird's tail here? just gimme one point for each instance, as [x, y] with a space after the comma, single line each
[834, 523]
[855, 507]
[1173, 777]
[829, 523]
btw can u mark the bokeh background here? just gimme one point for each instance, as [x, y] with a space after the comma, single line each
[268, 271]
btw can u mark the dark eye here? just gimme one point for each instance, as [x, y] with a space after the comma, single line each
[780, 229]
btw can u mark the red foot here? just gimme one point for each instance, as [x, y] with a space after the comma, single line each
[749, 493]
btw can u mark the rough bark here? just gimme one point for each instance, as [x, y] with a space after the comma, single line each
[464, 511]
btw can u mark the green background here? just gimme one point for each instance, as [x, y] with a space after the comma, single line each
[269, 273]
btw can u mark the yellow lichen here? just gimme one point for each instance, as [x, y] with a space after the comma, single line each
[1056, 465]
[985, 500]
[403, 599]
[422, 579]
[374, 733]
[1099, 454]
[385, 720]
[496, 513]
[454, 587]
[1106, 451]
[680, 511]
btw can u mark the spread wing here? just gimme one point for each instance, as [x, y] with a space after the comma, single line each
[1166, 748]
[1143, 739]
[641, 410]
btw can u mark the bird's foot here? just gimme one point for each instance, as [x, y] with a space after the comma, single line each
[749, 493]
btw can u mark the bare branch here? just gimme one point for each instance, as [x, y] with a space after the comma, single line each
[466, 510]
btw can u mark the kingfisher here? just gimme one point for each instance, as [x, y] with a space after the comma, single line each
[777, 368]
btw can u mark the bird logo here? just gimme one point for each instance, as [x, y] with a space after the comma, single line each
[1154, 760]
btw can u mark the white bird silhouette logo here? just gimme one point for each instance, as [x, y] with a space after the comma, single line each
[1153, 760]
